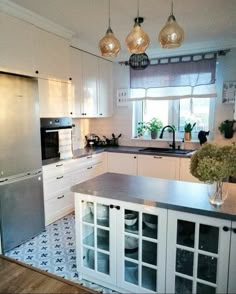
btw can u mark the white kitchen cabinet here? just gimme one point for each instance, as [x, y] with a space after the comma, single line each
[51, 55]
[232, 262]
[197, 253]
[122, 163]
[91, 84]
[158, 166]
[54, 98]
[184, 171]
[125, 258]
[105, 97]
[16, 46]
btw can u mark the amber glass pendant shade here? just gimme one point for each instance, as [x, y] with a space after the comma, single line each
[137, 40]
[171, 35]
[109, 45]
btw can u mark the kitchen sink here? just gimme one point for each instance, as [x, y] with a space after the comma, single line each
[166, 150]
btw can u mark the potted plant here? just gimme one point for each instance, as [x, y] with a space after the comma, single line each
[153, 126]
[212, 164]
[188, 127]
[226, 128]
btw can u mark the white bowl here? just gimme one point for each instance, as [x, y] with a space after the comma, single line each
[131, 243]
[102, 212]
[130, 219]
[150, 221]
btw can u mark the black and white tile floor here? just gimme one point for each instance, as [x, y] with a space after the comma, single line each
[54, 251]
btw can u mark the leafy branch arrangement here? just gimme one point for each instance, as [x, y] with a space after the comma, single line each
[213, 163]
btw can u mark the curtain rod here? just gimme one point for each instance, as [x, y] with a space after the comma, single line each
[157, 60]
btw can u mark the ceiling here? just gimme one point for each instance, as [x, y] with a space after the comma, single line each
[208, 24]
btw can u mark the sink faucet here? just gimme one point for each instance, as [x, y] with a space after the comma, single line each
[173, 132]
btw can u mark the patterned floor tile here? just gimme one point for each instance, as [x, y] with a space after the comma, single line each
[54, 252]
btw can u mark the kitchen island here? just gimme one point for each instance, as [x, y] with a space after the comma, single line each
[176, 242]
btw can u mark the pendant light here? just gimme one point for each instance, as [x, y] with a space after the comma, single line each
[171, 35]
[137, 40]
[109, 45]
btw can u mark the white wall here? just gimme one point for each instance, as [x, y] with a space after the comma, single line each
[121, 121]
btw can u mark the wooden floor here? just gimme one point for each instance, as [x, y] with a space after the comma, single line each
[17, 277]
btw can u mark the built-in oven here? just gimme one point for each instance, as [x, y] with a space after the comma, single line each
[50, 128]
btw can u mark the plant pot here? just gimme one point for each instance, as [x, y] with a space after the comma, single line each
[187, 136]
[153, 134]
[229, 132]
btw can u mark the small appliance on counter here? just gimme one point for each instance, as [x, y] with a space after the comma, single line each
[92, 140]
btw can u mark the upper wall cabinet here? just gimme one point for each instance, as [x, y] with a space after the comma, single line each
[92, 85]
[54, 98]
[51, 55]
[16, 46]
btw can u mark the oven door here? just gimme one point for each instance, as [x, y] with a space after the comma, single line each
[49, 143]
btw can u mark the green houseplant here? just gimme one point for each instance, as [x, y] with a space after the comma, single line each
[226, 128]
[188, 127]
[212, 164]
[153, 126]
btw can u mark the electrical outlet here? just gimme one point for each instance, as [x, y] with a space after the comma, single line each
[122, 97]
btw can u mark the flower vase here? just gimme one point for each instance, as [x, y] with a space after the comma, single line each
[217, 192]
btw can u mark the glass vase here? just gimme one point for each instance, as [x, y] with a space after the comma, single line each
[217, 192]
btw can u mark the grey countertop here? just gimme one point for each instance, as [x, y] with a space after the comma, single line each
[175, 195]
[119, 149]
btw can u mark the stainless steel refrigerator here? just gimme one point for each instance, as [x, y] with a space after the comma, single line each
[21, 188]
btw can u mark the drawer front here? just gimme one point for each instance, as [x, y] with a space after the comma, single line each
[55, 185]
[58, 206]
[58, 168]
[86, 173]
[89, 160]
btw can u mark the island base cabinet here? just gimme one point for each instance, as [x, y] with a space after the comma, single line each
[121, 245]
[197, 254]
[232, 263]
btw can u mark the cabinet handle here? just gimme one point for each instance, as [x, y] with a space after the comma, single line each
[58, 178]
[234, 230]
[60, 197]
[226, 229]
[118, 207]
[83, 257]
[2, 181]
[90, 167]
[158, 157]
[36, 71]
[111, 206]
[57, 165]
[88, 157]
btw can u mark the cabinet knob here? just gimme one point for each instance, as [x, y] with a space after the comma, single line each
[226, 229]
[135, 157]
[100, 114]
[71, 112]
[111, 206]
[234, 230]
[85, 113]
[118, 207]
[82, 201]
[70, 79]
[36, 71]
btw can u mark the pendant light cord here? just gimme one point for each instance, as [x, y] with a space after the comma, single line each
[171, 12]
[109, 13]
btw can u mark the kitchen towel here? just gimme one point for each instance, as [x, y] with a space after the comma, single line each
[65, 144]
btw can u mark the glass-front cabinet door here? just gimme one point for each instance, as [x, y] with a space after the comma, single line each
[142, 248]
[97, 246]
[197, 254]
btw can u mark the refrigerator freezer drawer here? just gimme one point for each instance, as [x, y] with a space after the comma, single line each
[21, 210]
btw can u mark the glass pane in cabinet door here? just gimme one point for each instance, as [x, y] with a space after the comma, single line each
[185, 233]
[131, 272]
[103, 265]
[183, 285]
[131, 221]
[131, 247]
[103, 239]
[88, 258]
[150, 225]
[87, 212]
[103, 215]
[208, 238]
[184, 262]
[205, 289]
[149, 252]
[207, 268]
[88, 235]
[149, 278]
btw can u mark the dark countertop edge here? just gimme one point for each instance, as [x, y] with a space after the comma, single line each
[80, 153]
